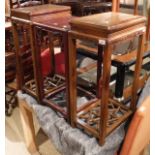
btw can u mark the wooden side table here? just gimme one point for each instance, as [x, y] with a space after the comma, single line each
[58, 98]
[106, 29]
[23, 18]
[45, 19]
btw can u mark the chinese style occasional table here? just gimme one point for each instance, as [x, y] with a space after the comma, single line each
[106, 29]
[22, 21]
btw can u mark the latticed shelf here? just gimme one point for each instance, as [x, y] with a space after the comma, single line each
[49, 84]
[58, 99]
[89, 118]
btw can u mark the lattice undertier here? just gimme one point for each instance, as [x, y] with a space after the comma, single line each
[58, 102]
[49, 84]
[89, 118]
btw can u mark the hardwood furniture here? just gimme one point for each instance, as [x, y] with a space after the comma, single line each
[10, 86]
[57, 97]
[98, 118]
[128, 61]
[45, 88]
[10, 71]
[125, 61]
[82, 8]
[91, 7]
[44, 21]
[23, 18]
[71, 3]
[56, 25]
[117, 4]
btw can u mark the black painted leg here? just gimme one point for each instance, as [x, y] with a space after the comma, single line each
[99, 67]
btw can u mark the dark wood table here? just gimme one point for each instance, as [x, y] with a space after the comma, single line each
[81, 8]
[22, 21]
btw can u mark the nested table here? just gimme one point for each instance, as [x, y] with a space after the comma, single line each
[46, 89]
[107, 29]
[58, 98]
[40, 20]
[22, 21]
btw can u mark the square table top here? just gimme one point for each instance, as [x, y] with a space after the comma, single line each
[107, 22]
[39, 10]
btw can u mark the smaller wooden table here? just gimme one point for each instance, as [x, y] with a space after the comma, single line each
[23, 18]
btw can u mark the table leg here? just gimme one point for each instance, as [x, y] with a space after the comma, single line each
[36, 58]
[72, 77]
[99, 68]
[105, 92]
[137, 71]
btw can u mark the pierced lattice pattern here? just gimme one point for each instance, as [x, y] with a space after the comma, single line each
[49, 84]
[92, 116]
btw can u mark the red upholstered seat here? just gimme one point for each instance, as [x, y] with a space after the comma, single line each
[46, 62]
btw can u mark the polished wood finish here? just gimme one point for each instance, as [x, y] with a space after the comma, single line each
[115, 5]
[58, 23]
[129, 58]
[91, 115]
[72, 77]
[36, 65]
[148, 27]
[10, 66]
[137, 71]
[25, 17]
[24, 69]
[92, 7]
[136, 7]
[114, 29]
[46, 97]
[105, 91]
[10, 72]
[41, 12]
[87, 7]
[105, 23]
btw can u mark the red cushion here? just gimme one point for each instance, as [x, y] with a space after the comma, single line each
[46, 62]
[60, 63]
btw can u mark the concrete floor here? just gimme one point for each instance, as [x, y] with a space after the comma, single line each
[14, 138]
